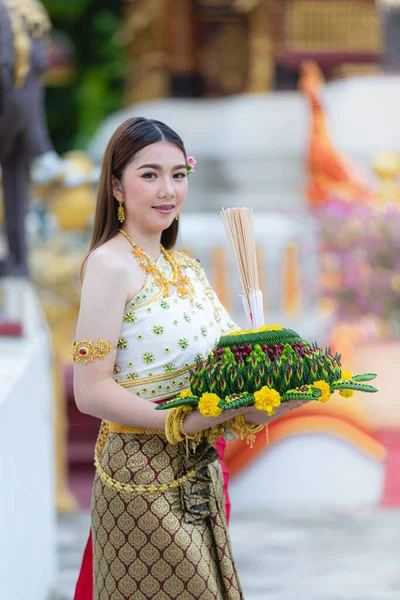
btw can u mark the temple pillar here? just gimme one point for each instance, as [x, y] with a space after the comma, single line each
[261, 49]
[181, 49]
[144, 37]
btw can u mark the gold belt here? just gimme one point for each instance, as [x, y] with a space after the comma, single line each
[117, 428]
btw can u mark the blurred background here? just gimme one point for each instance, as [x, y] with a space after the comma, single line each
[289, 106]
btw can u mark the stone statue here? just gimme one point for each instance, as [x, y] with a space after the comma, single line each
[23, 129]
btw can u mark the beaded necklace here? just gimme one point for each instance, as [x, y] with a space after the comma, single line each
[179, 279]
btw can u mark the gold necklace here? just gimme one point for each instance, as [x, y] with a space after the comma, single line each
[179, 279]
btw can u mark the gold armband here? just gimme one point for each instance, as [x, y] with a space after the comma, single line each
[86, 351]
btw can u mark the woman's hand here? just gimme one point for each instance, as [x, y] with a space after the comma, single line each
[253, 416]
[195, 421]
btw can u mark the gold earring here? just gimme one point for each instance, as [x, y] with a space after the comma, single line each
[177, 216]
[121, 212]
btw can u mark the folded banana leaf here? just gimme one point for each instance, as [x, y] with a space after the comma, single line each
[252, 367]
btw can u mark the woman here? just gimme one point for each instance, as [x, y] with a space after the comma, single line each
[158, 519]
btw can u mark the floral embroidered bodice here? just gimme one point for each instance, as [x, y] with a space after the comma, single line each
[162, 336]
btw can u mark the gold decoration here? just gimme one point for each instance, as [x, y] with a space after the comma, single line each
[121, 212]
[173, 424]
[333, 25]
[214, 433]
[117, 428]
[182, 427]
[182, 282]
[192, 439]
[245, 431]
[144, 39]
[223, 61]
[86, 351]
[261, 49]
[27, 17]
[126, 487]
[73, 207]
[169, 427]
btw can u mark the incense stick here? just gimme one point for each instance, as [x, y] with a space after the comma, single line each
[239, 227]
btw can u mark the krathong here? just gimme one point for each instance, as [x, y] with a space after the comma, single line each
[264, 368]
[265, 365]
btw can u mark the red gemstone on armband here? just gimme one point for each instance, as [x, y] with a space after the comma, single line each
[83, 351]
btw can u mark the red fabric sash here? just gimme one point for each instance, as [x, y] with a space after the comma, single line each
[84, 586]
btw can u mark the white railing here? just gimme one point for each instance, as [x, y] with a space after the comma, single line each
[288, 263]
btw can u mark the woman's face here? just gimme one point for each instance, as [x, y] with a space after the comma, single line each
[154, 186]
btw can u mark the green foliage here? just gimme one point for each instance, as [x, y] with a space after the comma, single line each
[95, 89]
[363, 376]
[245, 367]
[352, 385]
[66, 9]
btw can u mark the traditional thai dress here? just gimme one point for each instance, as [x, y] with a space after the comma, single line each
[158, 511]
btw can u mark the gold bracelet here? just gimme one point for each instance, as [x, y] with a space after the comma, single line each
[182, 428]
[172, 423]
[192, 440]
[169, 429]
[178, 412]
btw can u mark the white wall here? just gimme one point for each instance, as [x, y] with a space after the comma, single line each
[317, 470]
[27, 503]
[251, 148]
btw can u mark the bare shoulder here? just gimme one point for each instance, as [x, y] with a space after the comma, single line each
[108, 259]
[112, 266]
[106, 271]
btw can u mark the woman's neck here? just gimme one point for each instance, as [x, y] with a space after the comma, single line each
[148, 242]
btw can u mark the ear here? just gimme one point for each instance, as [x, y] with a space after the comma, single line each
[117, 188]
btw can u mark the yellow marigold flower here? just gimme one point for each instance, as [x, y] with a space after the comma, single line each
[267, 399]
[346, 393]
[185, 394]
[346, 375]
[325, 389]
[208, 405]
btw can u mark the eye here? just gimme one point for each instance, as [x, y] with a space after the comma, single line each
[180, 175]
[150, 175]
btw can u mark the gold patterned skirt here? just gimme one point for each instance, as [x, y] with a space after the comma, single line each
[158, 522]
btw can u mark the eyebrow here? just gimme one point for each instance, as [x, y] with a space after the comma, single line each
[159, 168]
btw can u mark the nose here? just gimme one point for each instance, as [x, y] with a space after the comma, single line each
[166, 188]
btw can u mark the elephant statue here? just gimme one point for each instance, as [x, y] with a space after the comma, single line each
[23, 129]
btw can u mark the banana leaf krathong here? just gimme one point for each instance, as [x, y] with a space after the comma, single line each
[264, 368]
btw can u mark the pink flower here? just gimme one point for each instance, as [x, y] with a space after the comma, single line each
[191, 161]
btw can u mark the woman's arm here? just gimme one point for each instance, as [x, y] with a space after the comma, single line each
[100, 317]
